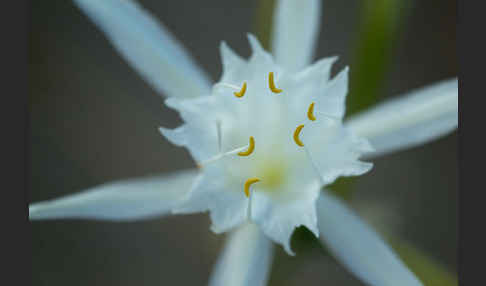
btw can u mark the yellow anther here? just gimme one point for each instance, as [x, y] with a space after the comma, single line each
[250, 148]
[310, 112]
[242, 91]
[247, 185]
[296, 135]
[271, 83]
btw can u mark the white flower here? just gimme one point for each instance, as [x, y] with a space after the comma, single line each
[290, 176]
[267, 138]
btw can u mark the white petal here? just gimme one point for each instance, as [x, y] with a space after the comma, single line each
[148, 46]
[119, 201]
[232, 63]
[313, 84]
[210, 192]
[413, 119]
[335, 93]
[199, 132]
[278, 217]
[334, 150]
[358, 247]
[258, 52]
[295, 31]
[246, 259]
[320, 71]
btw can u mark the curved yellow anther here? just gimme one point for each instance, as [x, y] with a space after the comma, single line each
[310, 112]
[242, 91]
[250, 148]
[271, 83]
[296, 135]
[247, 185]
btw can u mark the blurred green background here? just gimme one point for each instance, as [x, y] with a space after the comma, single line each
[93, 119]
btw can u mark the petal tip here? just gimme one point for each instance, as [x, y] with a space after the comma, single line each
[223, 48]
[288, 249]
[215, 229]
[329, 60]
[254, 43]
[345, 70]
[228, 56]
[32, 212]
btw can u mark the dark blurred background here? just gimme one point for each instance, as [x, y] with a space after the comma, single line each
[93, 119]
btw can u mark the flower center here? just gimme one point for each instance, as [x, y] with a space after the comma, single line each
[268, 166]
[273, 173]
[270, 173]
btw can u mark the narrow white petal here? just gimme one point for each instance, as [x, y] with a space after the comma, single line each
[358, 247]
[246, 259]
[295, 31]
[148, 46]
[119, 201]
[415, 118]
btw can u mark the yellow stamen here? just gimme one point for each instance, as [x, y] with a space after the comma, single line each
[242, 91]
[271, 83]
[250, 148]
[310, 112]
[296, 135]
[247, 185]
